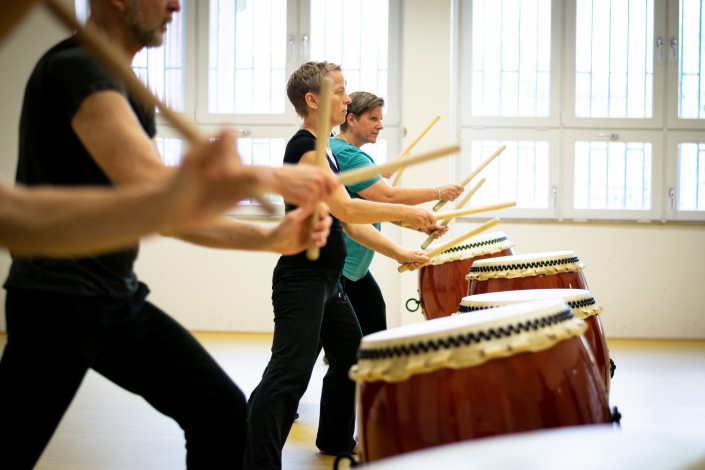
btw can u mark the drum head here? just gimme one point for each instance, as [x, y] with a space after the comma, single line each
[528, 265]
[577, 448]
[483, 244]
[464, 340]
[580, 300]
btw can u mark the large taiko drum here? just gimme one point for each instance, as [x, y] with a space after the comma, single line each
[442, 283]
[553, 270]
[581, 302]
[510, 369]
[577, 448]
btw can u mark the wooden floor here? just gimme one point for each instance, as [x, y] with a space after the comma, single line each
[658, 386]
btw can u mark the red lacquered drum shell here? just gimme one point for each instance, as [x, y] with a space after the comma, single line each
[574, 280]
[551, 388]
[595, 338]
[443, 286]
[578, 299]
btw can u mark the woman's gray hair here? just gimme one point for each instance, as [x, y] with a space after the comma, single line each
[362, 102]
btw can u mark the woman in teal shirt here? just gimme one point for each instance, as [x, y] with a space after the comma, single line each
[362, 125]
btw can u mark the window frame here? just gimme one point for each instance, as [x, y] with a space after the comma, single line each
[467, 119]
[571, 136]
[671, 213]
[672, 88]
[657, 119]
[552, 136]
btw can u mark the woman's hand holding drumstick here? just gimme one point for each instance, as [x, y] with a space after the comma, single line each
[473, 210]
[474, 173]
[323, 133]
[413, 143]
[432, 236]
[446, 246]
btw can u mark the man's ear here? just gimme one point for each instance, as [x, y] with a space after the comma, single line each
[311, 100]
[119, 5]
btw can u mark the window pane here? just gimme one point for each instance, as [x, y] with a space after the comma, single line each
[162, 68]
[247, 56]
[691, 177]
[354, 34]
[614, 175]
[511, 57]
[691, 103]
[614, 58]
[265, 152]
[378, 151]
[520, 173]
[171, 150]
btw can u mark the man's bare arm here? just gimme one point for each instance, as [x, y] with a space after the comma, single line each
[109, 129]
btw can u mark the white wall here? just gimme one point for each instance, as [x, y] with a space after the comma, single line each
[646, 276]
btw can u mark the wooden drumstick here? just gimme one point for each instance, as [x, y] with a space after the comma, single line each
[459, 205]
[457, 240]
[361, 174]
[474, 173]
[11, 12]
[473, 210]
[118, 63]
[412, 145]
[323, 134]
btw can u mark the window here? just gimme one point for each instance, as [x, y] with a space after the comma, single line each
[691, 175]
[632, 78]
[247, 57]
[691, 67]
[612, 175]
[356, 35]
[614, 59]
[162, 68]
[171, 149]
[526, 172]
[511, 60]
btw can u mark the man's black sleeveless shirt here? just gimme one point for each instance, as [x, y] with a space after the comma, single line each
[333, 254]
[51, 154]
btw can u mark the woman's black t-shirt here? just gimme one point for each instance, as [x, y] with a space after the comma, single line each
[333, 254]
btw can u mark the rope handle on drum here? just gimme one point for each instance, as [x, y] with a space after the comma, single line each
[343, 456]
[418, 304]
[616, 417]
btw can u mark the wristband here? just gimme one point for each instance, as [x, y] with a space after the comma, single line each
[438, 190]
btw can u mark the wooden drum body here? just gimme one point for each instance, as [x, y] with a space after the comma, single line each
[554, 270]
[582, 304]
[511, 369]
[442, 283]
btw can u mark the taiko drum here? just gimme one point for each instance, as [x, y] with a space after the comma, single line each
[506, 370]
[442, 283]
[582, 304]
[553, 270]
